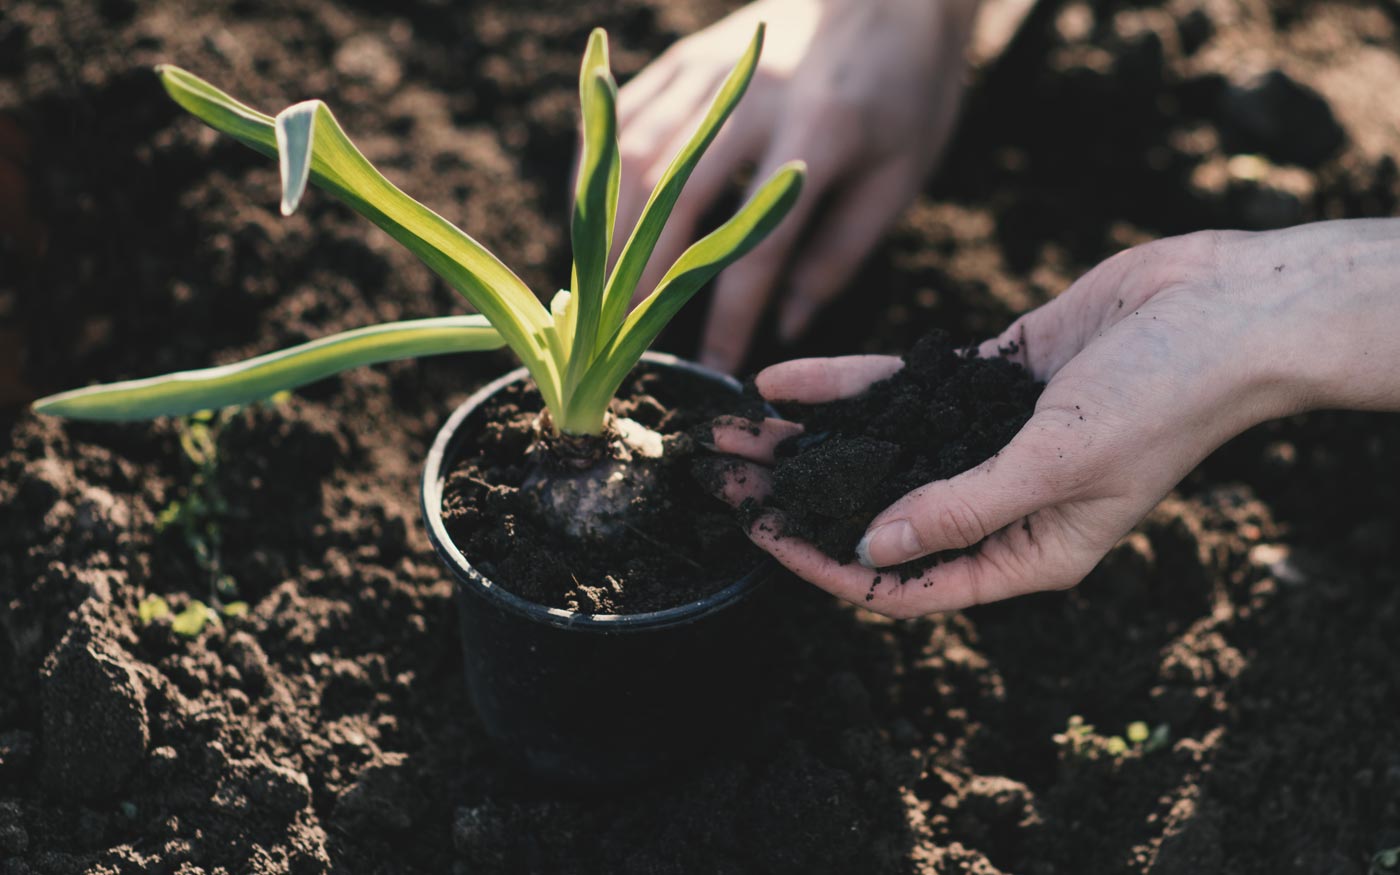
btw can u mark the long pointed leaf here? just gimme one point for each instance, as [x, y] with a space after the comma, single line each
[257, 378]
[705, 258]
[337, 166]
[595, 202]
[295, 128]
[640, 245]
[559, 335]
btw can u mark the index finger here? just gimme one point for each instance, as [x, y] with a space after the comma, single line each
[817, 380]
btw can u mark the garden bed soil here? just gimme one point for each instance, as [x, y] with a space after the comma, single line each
[1253, 614]
[678, 544]
[945, 412]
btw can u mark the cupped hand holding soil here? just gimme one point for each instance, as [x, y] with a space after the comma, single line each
[1151, 361]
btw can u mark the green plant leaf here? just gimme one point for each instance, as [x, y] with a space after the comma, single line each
[192, 620]
[333, 163]
[705, 258]
[633, 260]
[236, 609]
[559, 335]
[260, 377]
[152, 608]
[295, 129]
[595, 203]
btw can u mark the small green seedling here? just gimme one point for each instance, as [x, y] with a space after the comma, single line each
[152, 608]
[192, 620]
[1081, 741]
[198, 515]
[578, 349]
[1386, 862]
[234, 610]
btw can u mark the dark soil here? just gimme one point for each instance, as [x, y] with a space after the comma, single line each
[679, 544]
[943, 413]
[1254, 614]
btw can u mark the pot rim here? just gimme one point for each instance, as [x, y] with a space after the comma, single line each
[468, 576]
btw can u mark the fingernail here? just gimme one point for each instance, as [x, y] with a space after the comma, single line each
[889, 544]
[704, 434]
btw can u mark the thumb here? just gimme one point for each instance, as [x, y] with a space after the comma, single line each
[1030, 474]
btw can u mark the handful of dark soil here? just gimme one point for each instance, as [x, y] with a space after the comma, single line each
[943, 413]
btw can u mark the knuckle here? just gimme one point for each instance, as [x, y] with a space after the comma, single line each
[1177, 260]
[956, 521]
[1014, 571]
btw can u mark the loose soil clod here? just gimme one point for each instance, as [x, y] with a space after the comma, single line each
[945, 412]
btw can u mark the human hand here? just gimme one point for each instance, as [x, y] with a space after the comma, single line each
[864, 91]
[1152, 360]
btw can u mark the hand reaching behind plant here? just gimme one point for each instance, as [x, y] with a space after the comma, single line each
[865, 91]
[1152, 360]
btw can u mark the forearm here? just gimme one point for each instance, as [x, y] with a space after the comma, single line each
[1328, 300]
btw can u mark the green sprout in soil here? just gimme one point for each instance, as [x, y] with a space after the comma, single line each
[578, 349]
[198, 516]
[1080, 740]
[152, 608]
[191, 621]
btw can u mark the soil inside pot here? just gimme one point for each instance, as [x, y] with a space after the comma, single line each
[943, 413]
[679, 545]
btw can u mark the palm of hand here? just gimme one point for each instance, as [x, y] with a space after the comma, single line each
[1136, 356]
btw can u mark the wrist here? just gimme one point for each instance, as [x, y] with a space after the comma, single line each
[1326, 300]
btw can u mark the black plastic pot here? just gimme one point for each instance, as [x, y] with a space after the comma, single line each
[598, 699]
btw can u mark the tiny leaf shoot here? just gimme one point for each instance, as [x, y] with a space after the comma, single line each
[152, 608]
[192, 620]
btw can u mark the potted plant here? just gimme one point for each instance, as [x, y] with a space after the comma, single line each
[576, 691]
